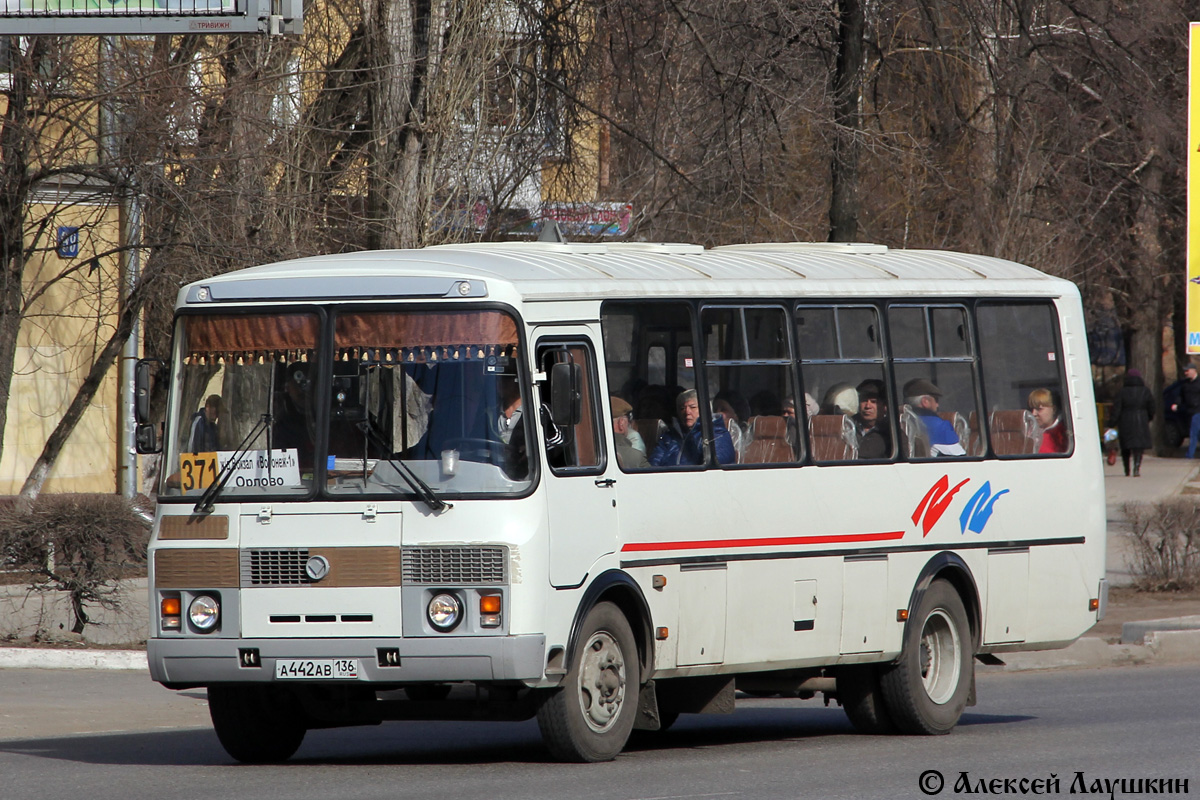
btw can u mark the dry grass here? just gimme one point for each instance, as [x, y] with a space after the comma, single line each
[80, 544]
[1166, 544]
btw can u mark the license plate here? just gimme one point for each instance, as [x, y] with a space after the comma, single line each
[316, 668]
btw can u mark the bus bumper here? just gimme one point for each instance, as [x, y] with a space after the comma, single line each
[181, 663]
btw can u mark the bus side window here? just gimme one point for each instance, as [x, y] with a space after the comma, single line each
[1028, 414]
[935, 380]
[576, 448]
[650, 363]
[849, 415]
[750, 374]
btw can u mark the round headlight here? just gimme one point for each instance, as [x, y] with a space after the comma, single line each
[204, 612]
[444, 611]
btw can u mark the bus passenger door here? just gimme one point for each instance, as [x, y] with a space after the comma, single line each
[580, 495]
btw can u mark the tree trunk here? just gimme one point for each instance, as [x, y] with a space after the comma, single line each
[16, 142]
[393, 57]
[847, 98]
[1146, 318]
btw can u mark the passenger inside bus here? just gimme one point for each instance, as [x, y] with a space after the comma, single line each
[1045, 409]
[923, 398]
[628, 455]
[841, 398]
[682, 444]
[874, 431]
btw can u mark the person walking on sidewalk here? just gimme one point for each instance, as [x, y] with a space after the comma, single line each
[1189, 399]
[1134, 408]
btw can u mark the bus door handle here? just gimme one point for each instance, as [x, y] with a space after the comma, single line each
[605, 483]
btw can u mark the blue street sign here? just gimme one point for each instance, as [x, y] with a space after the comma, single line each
[68, 241]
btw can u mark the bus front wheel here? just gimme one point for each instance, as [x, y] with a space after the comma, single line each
[590, 717]
[256, 724]
[926, 690]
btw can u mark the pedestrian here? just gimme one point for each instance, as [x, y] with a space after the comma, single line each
[1133, 409]
[1189, 400]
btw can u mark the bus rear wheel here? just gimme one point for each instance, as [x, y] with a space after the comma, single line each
[256, 724]
[927, 689]
[591, 716]
[861, 693]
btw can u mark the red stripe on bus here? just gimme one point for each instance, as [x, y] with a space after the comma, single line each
[885, 536]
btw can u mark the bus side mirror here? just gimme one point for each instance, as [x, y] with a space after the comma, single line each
[142, 385]
[566, 396]
[146, 439]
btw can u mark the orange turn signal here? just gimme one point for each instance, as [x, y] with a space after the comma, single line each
[489, 604]
[171, 607]
[901, 615]
[1094, 604]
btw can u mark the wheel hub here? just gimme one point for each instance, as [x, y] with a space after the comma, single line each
[940, 657]
[601, 681]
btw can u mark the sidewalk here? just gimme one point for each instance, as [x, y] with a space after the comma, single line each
[1171, 639]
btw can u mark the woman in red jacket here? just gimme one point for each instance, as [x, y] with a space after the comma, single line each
[1044, 407]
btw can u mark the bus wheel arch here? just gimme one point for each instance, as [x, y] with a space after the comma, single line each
[617, 587]
[951, 568]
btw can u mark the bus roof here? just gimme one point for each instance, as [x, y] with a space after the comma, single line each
[557, 271]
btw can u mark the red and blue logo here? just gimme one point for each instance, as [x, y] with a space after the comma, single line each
[974, 516]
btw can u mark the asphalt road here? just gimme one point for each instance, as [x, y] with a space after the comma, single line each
[99, 735]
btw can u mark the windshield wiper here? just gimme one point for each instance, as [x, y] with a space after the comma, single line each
[205, 503]
[414, 481]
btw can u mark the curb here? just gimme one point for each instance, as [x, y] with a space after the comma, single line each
[1136, 632]
[1160, 647]
[49, 658]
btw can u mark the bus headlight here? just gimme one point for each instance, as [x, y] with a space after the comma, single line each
[444, 612]
[203, 612]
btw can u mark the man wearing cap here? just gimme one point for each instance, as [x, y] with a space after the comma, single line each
[1189, 398]
[874, 434]
[924, 398]
[628, 456]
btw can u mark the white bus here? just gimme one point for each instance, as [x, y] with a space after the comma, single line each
[606, 484]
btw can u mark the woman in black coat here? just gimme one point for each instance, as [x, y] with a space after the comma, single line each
[1133, 409]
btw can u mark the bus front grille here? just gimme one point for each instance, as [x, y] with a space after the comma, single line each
[274, 567]
[454, 565]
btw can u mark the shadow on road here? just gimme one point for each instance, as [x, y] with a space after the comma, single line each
[455, 743]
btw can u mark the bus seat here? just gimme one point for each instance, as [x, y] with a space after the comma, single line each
[768, 443]
[974, 437]
[913, 435]
[834, 437]
[1012, 432]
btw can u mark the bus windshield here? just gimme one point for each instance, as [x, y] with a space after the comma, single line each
[405, 403]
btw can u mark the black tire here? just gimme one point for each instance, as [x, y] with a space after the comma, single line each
[926, 690]
[861, 695]
[590, 717]
[256, 724]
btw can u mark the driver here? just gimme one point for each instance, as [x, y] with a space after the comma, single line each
[292, 429]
